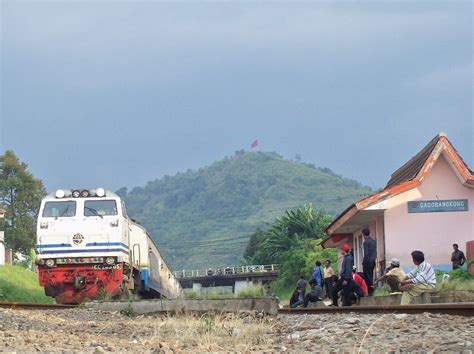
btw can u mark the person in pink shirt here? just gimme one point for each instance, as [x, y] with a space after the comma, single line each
[360, 281]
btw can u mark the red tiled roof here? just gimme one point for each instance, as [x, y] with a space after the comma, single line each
[410, 169]
[409, 176]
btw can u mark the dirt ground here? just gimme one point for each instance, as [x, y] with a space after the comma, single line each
[87, 330]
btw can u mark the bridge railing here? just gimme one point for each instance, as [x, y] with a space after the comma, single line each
[228, 270]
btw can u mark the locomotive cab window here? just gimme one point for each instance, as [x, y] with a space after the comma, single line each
[59, 209]
[100, 207]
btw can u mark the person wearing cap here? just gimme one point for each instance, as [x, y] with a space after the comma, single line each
[394, 276]
[368, 262]
[345, 282]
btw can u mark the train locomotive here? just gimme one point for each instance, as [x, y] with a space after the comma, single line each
[88, 248]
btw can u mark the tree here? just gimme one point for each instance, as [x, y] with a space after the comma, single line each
[20, 196]
[293, 242]
[286, 232]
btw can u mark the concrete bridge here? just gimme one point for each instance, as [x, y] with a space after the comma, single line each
[239, 277]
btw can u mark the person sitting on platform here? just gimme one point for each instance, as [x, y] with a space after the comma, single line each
[315, 294]
[420, 280]
[302, 283]
[360, 281]
[394, 276]
[295, 299]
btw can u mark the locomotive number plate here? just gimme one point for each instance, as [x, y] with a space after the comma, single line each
[106, 267]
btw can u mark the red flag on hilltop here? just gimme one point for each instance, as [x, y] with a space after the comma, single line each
[254, 144]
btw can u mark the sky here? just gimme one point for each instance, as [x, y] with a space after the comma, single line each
[113, 94]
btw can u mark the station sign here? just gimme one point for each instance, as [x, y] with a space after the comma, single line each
[436, 206]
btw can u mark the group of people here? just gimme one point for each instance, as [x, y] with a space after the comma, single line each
[353, 285]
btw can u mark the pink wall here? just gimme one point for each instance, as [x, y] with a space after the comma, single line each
[432, 233]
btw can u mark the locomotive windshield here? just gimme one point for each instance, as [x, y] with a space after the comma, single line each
[59, 209]
[100, 207]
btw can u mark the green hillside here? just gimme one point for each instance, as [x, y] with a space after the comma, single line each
[204, 218]
[22, 285]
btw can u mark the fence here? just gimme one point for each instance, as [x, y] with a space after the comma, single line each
[234, 270]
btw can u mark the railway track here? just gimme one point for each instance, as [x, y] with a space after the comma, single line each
[27, 305]
[462, 309]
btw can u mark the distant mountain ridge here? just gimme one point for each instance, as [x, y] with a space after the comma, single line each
[204, 218]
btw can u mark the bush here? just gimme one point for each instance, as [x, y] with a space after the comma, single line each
[460, 274]
[459, 279]
[252, 291]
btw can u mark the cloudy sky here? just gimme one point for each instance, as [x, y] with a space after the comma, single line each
[119, 93]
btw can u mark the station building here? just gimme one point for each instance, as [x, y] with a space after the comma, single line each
[426, 205]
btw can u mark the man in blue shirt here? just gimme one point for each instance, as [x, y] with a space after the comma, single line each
[317, 274]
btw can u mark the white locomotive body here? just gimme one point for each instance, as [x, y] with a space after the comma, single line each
[87, 245]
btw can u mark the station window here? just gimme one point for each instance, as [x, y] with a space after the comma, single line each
[100, 207]
[59, 209]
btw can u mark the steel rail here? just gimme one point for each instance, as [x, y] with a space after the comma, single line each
[29, 305]
[462, 309]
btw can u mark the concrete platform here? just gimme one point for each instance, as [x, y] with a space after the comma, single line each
[436, 297]
[267, 306]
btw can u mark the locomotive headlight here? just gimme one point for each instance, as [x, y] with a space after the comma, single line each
[85, 193]
[100, 192]
[110, 261]
[76, 194]
[40, 261]
[50, 263]
[59, 193]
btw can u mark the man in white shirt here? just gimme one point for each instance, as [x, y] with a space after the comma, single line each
[420, 280]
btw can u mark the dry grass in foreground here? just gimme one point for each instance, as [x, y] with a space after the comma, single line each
[213, 332]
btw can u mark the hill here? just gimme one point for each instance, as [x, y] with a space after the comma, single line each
[205, 217]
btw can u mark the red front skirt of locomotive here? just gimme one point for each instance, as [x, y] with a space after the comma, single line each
[72, 283]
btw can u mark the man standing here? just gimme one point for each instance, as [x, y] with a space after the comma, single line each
[328, 278]
[368, 263]
[457, 258]
[345, 282]
[318, 274]
[420, 280]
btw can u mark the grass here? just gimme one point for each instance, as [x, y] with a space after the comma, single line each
[208, 294]
[251, 291]
[212, 332]
[216, 294]
[383, 291]
[459, 279]
[456, 285]
[22, 285]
